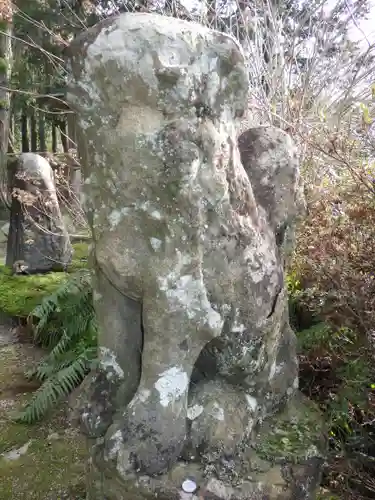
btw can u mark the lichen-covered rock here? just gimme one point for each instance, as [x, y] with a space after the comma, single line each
[37, 234]
[195, 344]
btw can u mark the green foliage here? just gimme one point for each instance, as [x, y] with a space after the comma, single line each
[325, 336]
[316, 335]
[293, 283]
[80, 257]
[4, 104]
[334, 265]
[66, 324]
[61, 305]
[357, 375]
[366, 116]
[3, 25]
[294, 290]
[81, 251]
[299, 313]
[337, 369]
[3, 65]
[351, 365]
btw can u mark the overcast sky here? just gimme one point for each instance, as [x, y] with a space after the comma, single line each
[364, 30]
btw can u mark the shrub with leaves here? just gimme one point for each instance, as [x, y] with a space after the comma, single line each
[65, 323]
[338, 371]
[332, 280]
[335, 258]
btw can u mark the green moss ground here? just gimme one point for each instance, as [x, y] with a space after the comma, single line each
[19, 295]
[54, 461]
[52, 467]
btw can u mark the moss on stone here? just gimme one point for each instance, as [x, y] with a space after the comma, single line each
[19, 295]
[294, 435]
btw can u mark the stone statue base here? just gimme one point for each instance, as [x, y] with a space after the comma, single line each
[284, 462]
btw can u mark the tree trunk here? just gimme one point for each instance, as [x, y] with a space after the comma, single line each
[15, 240]
[54, 137]
[33, 132]
[72, 139]
[63, 135]
[25, 132]
[5, 74]
[42, 131]
[11, 139]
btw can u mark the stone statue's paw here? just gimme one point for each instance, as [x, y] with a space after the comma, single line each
[92, 404]
[222, 418]
[150, 437]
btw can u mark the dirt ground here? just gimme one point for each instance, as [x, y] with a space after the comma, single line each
[44, 461]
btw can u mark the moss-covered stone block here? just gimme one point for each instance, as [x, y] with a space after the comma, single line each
[294, 435]
[19, 294]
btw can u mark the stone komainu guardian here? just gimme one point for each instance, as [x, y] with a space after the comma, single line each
[189, 246]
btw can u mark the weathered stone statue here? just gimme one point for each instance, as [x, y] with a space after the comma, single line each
[37, 238]
[196, 391]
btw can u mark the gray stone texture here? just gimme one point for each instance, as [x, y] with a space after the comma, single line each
[196, 351]
[37, 233]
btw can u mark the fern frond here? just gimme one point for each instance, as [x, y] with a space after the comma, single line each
[50, 366]
[41, 372]
[61, 347]
[72, 296]
[67, 324]
[54, 389]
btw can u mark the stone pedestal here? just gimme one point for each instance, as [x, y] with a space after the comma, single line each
[198, 375]
[283, 462]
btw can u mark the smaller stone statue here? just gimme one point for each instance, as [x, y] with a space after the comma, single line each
[38, 241]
